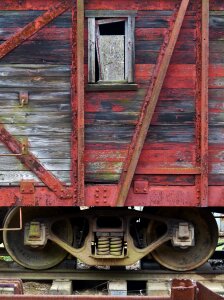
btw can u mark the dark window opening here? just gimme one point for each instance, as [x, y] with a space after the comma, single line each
[117, 28]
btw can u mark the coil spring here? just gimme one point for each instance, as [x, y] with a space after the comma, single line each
[103, 245]
[116, 246]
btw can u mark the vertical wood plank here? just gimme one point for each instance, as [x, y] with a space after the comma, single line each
[204, 102]
[91, 49]
[126, 54]
[131, 48]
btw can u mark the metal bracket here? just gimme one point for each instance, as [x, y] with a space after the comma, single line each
[183, 235]
[101, 195]
[35, 234]
[23, 98]
[27, 187]
[141, 187]
[24, 150]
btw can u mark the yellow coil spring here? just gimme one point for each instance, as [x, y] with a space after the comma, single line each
[116, 246]
[103, 245]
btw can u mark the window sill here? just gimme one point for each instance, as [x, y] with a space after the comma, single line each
[111, 87]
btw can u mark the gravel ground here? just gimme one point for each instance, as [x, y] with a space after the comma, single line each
[43, 288]
[35, 288]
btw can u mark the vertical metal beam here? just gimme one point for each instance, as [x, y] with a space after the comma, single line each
[204, 102]
[184, 289]
[148, 110]
[80, 98]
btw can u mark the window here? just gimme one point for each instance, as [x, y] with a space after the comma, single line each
[111, 47]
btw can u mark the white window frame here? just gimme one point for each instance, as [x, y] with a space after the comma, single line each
[129, 18]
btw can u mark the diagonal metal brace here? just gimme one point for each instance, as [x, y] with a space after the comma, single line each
[148, 108]
[33, 164]
[33, 27]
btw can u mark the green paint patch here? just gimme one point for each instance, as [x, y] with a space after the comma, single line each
[220, 246]
[6, 258]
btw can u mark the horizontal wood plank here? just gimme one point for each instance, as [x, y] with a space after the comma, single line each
[18, 19]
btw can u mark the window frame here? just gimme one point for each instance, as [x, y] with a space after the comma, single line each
[128, 17]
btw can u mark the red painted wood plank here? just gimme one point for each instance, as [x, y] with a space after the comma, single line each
[216, 5]
[154, 158]
[167, 180]
[177, 170]
[151, 34]
[45, 34]
[137, 4]
[216, 83]
[175, 72]
[216, 34]
[216, 70]
[29, 4]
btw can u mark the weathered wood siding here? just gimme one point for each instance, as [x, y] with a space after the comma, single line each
[111, 116]
[40, 66]
[216, 94]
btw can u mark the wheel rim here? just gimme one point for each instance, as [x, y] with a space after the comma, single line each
[206, 237]
[44, 257]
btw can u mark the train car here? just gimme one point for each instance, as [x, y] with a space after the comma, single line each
[111, 131]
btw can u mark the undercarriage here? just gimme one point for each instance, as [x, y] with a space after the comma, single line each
[178, 238]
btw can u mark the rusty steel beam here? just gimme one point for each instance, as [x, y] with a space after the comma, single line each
[183, 289]
[205, 294]
[33, 27]
[84, 297]
[148, 109]
[32, 163]
[78, 98]
[74, 140]
[204, 102]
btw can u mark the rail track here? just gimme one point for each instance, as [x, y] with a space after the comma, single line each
[151, 282]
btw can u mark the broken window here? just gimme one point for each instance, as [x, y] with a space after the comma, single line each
[111, 47]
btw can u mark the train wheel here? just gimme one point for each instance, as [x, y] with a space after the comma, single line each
[41, 257]
[185, 259]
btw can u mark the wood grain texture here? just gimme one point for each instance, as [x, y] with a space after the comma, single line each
[42, 66]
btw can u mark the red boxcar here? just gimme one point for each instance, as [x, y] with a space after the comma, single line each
[115, 107]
